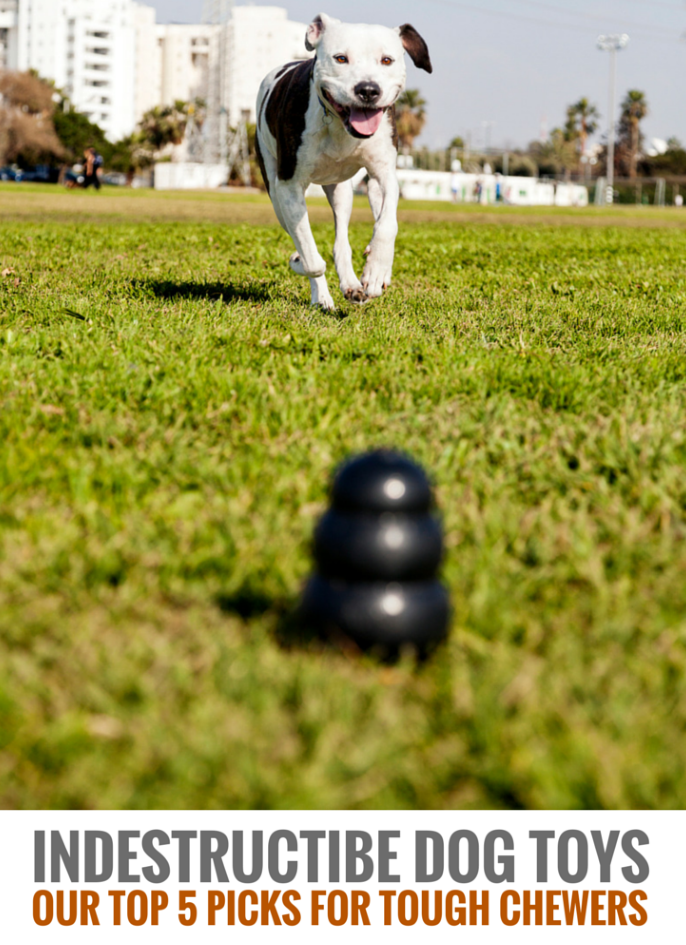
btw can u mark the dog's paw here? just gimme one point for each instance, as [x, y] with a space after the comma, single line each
[325, 303]
[374, 280]
[355, 294]
[321, 297]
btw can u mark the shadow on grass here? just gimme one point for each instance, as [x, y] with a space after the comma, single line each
[226, 292]
[212, 291]
[293, 631]
[289, 629]
[249, 604]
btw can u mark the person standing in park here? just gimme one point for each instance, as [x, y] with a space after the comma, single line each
[92, 168]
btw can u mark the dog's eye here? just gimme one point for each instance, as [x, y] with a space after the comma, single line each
[387, 61]
[341, 59]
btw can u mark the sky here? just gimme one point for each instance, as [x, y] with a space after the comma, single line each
[506, 69]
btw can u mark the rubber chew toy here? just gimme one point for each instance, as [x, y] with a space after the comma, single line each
[377, 551]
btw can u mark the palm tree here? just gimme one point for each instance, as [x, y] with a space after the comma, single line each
[581, 122]
[634, 110]
[164, 125]
[561, 151]
[410, 117]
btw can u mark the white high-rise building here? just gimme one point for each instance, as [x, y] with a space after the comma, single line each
[115, 62]
[148, 78]
[184, 61]
[8, 32]
[258, 40]
[254, 41]
[88, 48]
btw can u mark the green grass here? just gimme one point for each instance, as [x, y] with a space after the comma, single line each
[165, 457]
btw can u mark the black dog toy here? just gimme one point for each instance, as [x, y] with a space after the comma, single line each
[378, 550]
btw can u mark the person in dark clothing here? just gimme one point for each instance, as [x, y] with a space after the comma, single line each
[92, 168]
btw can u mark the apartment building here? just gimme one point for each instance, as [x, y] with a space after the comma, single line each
[88, 48]
[258, 39]
[184, 60]
[115, 62]
[8, 32]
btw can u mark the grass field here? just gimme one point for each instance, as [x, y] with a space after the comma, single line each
[172, 411]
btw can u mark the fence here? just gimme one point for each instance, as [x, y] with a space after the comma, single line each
[642, 191]
[418, 184]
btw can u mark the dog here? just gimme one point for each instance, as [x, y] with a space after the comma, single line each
[322, 120]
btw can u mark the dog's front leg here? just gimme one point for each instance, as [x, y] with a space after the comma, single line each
[379, 266]
[292, 210]
[340, 196]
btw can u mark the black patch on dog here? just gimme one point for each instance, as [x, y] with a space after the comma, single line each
[260, 162]
[286, 113]
[415, 47]
[316, 27]
[289, 65]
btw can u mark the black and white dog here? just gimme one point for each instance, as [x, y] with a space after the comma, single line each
[321, 121]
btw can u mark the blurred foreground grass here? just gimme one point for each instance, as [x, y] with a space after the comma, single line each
[172, 411]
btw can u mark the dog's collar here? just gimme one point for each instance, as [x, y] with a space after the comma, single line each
[328, 114]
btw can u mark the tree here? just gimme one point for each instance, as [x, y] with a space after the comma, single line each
[76, 132]
[673, 161]
[159, 129]
[634, 110]
[562, 150]
[166, 125]
[518, 165]
[131, 155]
[410, 117]
[581, 122]
[556, 155]
[26, 128]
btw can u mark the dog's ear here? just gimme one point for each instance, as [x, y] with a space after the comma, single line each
[316, 30]
[415, 47]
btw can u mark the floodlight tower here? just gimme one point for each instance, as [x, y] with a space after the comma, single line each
[217, 13]
[612, 43]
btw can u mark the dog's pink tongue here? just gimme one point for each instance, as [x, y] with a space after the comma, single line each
[366, 121]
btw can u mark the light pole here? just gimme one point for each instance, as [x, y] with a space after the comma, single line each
[215, 130]
[612, 43]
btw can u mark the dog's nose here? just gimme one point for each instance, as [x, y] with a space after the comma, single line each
[367, 92]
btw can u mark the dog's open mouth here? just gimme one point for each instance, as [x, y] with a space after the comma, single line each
[360, 122]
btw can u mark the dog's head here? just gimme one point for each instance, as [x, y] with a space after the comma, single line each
[360, 70]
